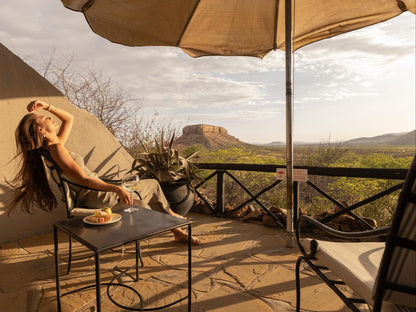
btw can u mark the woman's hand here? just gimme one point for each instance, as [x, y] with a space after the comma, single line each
[65, 117]
[36, 105]
[124, 196]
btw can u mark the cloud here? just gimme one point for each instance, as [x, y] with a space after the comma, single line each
[354, 64]
[367, 50]
[243, 115]
[362, 67]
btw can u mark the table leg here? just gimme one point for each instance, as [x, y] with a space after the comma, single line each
[189, 267]
[97, 280]
[137, 260]
[58, 290]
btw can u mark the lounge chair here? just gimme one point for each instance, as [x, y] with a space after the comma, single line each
[381, 274]
[54, 173]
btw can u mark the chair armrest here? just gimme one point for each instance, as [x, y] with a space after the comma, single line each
[116, 182]
[343, 234]
[112, 181]
[333, 232]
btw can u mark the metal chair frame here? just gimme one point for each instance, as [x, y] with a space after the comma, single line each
[407, 200]
[63, 185]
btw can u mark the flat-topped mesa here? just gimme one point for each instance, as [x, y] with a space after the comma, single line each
[207, 135]
[201, 128]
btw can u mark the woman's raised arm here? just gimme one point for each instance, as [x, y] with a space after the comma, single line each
[62, 158]
[65, 117]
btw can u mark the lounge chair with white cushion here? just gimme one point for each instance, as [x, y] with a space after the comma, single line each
[381, 274]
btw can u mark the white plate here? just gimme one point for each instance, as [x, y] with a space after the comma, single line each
[114, 218]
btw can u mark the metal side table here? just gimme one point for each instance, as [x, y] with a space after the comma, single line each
[133, 227]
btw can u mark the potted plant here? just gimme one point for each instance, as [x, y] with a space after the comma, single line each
[161, 161]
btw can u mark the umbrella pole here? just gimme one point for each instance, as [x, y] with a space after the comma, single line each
[289, 115]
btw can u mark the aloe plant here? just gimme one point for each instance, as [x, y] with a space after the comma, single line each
[160, 160]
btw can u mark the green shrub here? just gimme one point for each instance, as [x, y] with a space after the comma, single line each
[345, 190]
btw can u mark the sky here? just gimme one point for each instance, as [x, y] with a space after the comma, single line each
[359, 84]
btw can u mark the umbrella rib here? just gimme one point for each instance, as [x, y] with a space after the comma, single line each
[402, 6]
[87, 5]
[187, 23]
[275, 24]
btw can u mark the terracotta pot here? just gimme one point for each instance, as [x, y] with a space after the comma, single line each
[179, 195]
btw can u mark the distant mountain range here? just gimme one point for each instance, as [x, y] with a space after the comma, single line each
[218, 137]
[404, 138]
[395, 139]
[280, 143]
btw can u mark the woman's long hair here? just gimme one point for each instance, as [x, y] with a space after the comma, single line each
[30, 183]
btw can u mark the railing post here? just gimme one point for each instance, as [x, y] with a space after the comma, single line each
[219, 210]
[295, 203]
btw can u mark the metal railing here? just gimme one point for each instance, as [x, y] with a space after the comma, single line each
[222, 169]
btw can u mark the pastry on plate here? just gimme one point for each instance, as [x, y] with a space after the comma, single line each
[100, 216]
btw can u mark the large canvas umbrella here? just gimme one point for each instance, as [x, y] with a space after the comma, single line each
[236, 27]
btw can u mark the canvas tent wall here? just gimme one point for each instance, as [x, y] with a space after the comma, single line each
[19, 84]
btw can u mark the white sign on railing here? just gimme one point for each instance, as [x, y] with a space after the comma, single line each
[300, 175]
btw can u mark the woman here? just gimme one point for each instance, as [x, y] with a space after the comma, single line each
[37, 134]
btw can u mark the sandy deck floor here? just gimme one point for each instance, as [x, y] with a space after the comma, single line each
[238, 267]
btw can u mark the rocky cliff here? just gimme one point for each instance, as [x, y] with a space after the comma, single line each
[207, 135]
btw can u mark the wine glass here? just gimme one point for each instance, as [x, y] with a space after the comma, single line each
[129, 183]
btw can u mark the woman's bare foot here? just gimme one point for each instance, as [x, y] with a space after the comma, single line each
[182, 237]
[172, 213]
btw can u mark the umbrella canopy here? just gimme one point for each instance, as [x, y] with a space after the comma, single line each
[236, 28]
[231, 27]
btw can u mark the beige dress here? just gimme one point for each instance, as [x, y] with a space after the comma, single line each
[149, 190]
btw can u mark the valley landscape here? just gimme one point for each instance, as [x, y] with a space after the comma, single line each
[388, 151]
[212, 139]
[218, 137]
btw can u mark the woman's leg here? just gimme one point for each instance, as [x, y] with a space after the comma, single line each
[152, 194]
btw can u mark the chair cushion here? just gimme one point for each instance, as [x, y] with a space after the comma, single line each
[81, 212]
[355, 263]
